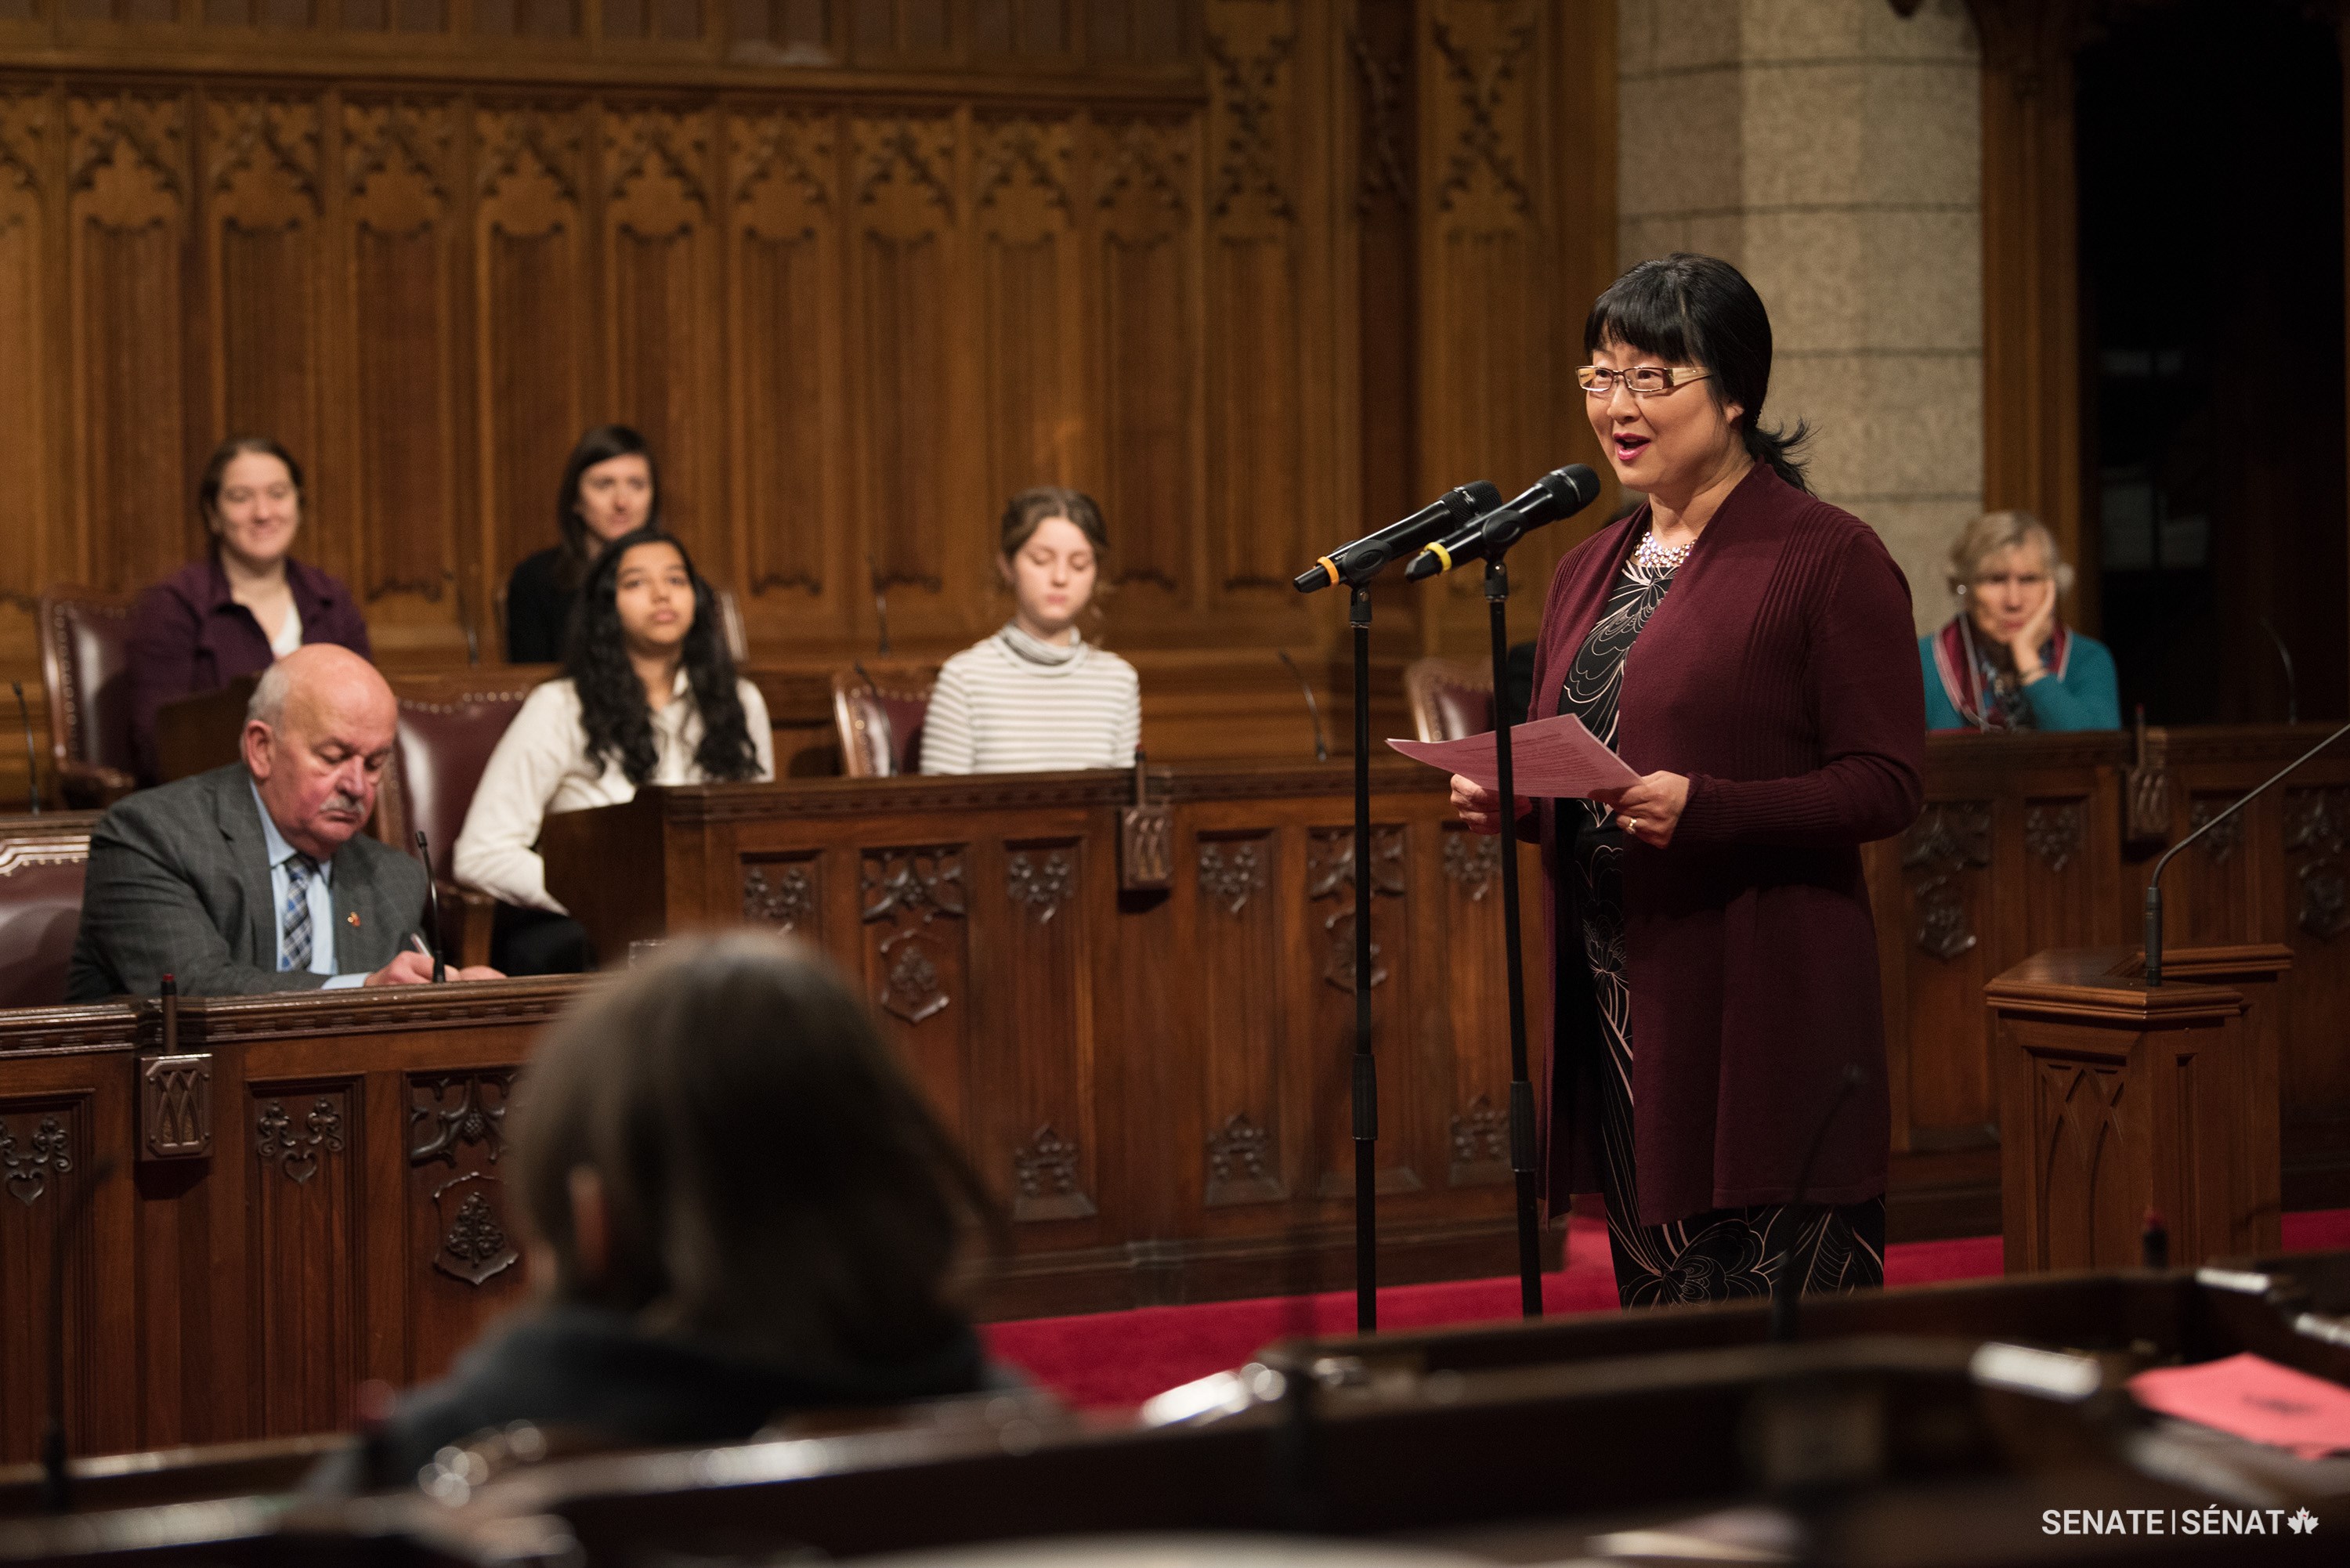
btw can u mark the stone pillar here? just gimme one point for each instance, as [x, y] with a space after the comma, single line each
[1830, 150]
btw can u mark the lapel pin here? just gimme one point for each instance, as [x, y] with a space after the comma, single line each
[354, 918]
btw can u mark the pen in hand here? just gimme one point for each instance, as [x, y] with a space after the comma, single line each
[419, 941]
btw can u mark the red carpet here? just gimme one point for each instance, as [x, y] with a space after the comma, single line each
[1124, 1357]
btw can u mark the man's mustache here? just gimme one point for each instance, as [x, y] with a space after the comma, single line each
[344, 802]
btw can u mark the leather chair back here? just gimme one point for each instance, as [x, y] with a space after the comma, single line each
[880, 710]
[1450, 698]
[41, 864]
[445, 742]
[86, 669]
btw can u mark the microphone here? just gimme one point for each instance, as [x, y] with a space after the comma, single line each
[1561, 492]
[1313, 709]
[1785, 1292]
[2154, 883]
[464, 619]
[2292, 686]
[881, 599]
[432, 906]
[1359, 562]
[32, 763]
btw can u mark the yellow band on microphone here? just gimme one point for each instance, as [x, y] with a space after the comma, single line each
[1329, 566]
[1441, 554]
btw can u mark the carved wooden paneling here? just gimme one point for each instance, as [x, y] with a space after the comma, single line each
[1231, 923]
[263, 197]
[2209, 892]
[1033, 1029]
[1147, 327]
[28, 137]
[662, 257]
[2061, 891]
[1035, 415]
[786, 893]
[129, 213]
[44, 1155]
[1255, 387]
[531, 324]
[906, 239]
[913, 903]
[786, 357]
[1476, 1091]
[461, 1238]
[302, 1225]
[2094, 1155]
[402, 309]
[1329, 900]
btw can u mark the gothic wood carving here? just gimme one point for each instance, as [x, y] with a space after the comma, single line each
[1480, 1144]
[2221, 843]
[911, 889]
[298, 1149]
[1231, 875]
[454, 1111]
[1951, 839]
[1473, 862]
[2317, 826]
[1040, 882]
[29, 1158]
[2056, 832]
[1330, 875]
[1046, 1179]
[782, 895]
[474, 1245]
[1242, 1165]
[175, 1107]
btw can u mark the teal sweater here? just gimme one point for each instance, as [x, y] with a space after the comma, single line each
[2088, 697]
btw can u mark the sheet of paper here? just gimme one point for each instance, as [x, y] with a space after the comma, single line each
[1550, 759]
[2254, 1398]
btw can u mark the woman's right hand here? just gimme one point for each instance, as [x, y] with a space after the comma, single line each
[1481, 808]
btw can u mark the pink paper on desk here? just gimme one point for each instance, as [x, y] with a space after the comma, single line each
[2254, 1398]
[1550, 759]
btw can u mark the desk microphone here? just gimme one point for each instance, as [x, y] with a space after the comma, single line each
[32, 766]
[1786, 1291]
[465, 618]
[1561, 492]
[881, 599]
[2154, 883]
[432, 906]
[1359, 562]
[1312, 708]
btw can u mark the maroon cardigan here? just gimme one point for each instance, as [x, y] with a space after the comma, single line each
[1780, 675]
[189, 636]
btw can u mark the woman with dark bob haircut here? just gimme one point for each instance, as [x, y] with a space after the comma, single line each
[1717, 1060]
[649, 695]
[735, 1207]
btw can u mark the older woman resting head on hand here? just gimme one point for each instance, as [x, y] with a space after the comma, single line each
[2005, 662]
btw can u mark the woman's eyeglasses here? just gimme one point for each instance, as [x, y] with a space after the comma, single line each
[1646, 381]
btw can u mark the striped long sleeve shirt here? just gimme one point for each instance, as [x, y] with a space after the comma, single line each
[1015, 704]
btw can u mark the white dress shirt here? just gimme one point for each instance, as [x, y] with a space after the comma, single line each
[321, 900]
[541, 767]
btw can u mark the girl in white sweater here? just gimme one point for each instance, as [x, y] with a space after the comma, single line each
[648, 696]
[1037, 697]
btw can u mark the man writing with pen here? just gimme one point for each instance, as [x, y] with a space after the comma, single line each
[258, 876]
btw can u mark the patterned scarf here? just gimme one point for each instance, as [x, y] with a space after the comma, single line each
[1985, 692]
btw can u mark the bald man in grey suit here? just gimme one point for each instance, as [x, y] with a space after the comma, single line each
[256, 877]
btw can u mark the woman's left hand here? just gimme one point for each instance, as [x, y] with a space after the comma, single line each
[1650, 809]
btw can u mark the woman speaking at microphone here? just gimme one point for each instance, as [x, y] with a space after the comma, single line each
[1717, 1059]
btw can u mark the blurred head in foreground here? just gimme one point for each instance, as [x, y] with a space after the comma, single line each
[737, 1207]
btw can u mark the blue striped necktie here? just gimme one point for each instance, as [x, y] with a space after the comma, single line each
[294, 949]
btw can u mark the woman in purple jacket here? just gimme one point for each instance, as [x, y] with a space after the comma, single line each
[244, 606]
[1717, 1062]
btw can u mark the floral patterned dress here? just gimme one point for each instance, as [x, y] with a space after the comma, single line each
[1721, 1253]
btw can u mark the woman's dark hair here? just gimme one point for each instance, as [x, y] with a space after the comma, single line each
[601, 444]
[1696, 310]
[775, 1184]
[612, 698]
[208, 488]
[1027, 511]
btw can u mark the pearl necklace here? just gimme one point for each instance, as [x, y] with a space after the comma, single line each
[1655, 558]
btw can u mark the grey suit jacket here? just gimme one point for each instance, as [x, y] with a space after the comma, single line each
[179, 882]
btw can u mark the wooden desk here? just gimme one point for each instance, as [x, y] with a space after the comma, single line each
[1156, 1081]
[307, 1195]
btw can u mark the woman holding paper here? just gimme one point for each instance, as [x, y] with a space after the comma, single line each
[1717, 1062]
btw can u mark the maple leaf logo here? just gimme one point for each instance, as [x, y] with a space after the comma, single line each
[2303, 1523]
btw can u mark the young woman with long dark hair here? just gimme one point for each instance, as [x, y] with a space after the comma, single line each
[649, 695]
[610, 486]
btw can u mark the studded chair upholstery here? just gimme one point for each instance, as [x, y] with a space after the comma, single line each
[880, 710]
[86, 671]
[41, 863]
[1450, 698]
[446, 736]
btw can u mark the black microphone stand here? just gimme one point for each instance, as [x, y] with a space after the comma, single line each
[1522, 1089]
[2154, 882]
[1366, 1078]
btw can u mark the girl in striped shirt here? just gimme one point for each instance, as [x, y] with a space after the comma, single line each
[1037, 697]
